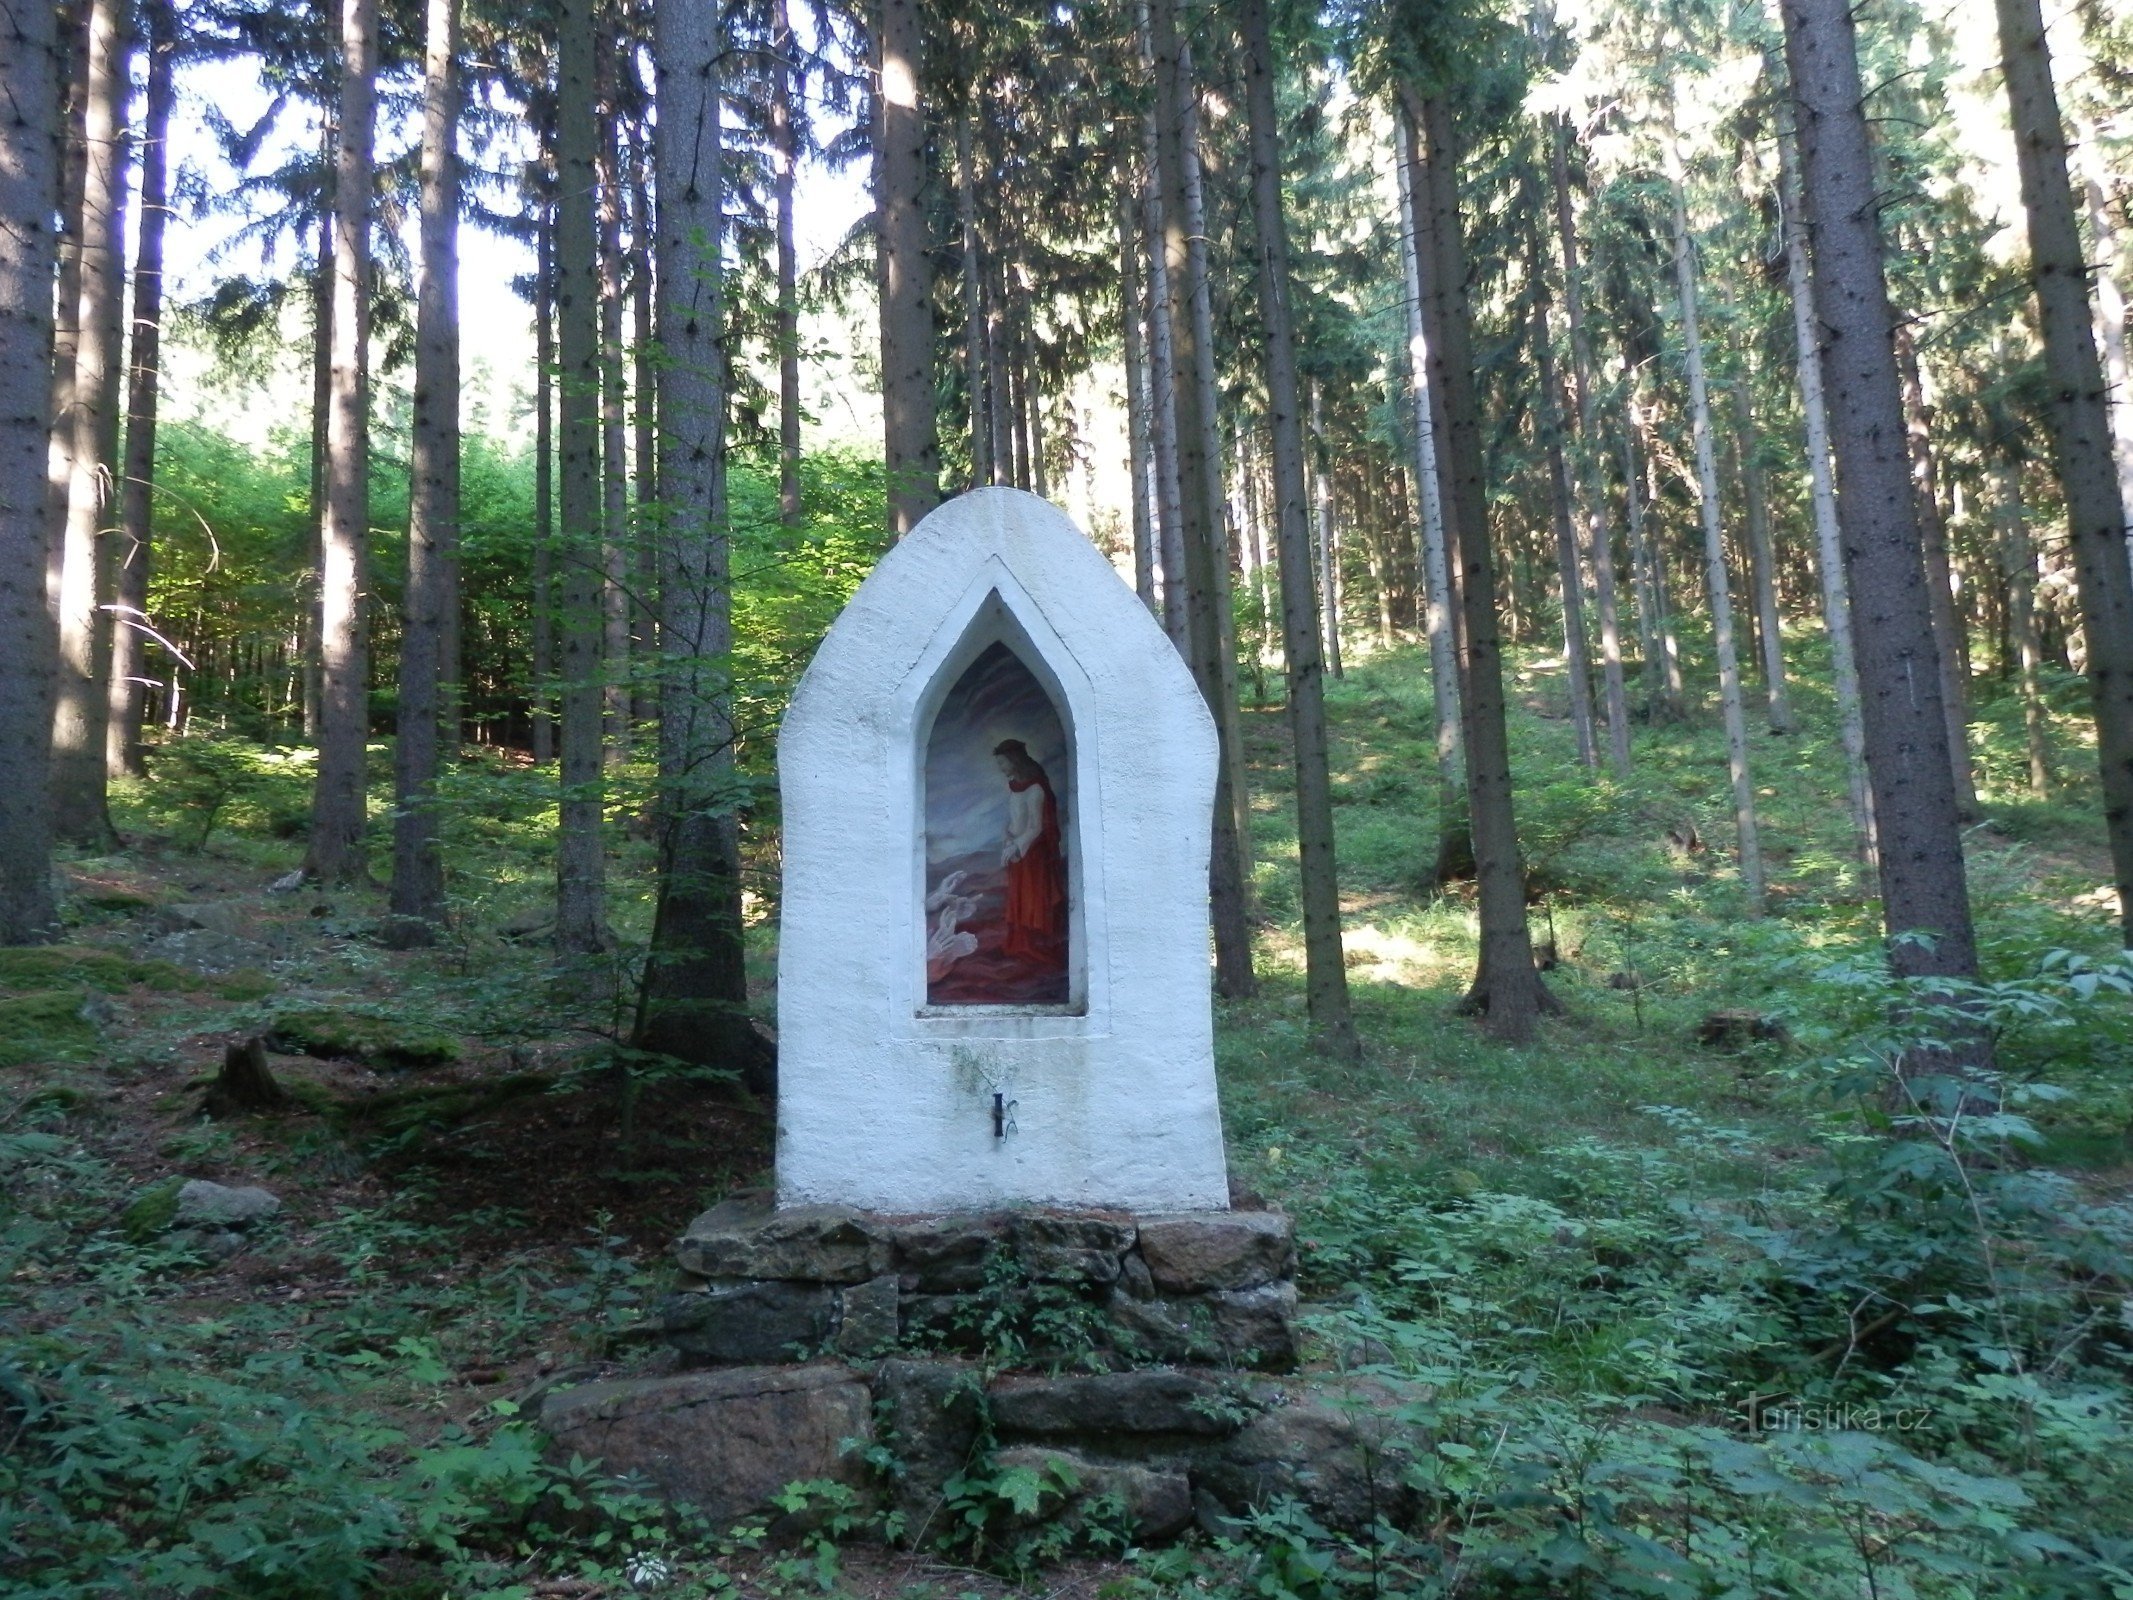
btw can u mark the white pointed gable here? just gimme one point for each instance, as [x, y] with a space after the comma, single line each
[1108, 1096]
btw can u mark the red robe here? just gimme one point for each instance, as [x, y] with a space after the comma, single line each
[1037, 888]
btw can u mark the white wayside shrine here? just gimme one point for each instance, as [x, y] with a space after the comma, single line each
[993, 990]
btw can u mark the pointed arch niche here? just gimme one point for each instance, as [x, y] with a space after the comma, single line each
[1002, 925]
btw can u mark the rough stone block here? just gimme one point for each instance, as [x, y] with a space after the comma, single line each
[1066, 1247]
[1256, 1327]
[1124, 1403]
[944, 1254]
[212, 1205]
[748, 1323]
[867, 1317]
[1192, 1252]
[745, 1238]
[727, 1442]
[1332, 1443]
[1152, 1502]
[930, 1411]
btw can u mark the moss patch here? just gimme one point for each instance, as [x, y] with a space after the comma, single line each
[45, 1026]
[47, 966]
[153, 1210]
[359, 1036]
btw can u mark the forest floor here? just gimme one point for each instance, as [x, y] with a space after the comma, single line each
[1597, 1250]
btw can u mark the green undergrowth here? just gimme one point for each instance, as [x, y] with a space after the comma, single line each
[1665, 1317]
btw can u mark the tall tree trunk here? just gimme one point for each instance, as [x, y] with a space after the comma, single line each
[1163, 392]
[581, 869]
[1923, 888]
[982, 469]
[29, 250]
[645, 530]
[2080, 432]
[1455, 847]
[904, 272]
[694, 1003]
[1200, 493]
[785, 168]
[1599, 539]
[128, 697]
[1762, 562]
[615, 560]
[1714, 548]
[1139, 403]
[1329, 591]
[1507, 991]
[2019, 562]
[81, 709]
[2095, 182]
[337, 805]
[1577, 663]
[1948, 627]
[993, 282]
[313, 597]
[71, 63]
[1325, 972]
[1829, 547]
[432, 594]
[543, 718]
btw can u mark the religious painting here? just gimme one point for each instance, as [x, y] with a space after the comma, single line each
[996, 841]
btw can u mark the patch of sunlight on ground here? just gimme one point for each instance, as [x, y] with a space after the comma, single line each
[1383, 955]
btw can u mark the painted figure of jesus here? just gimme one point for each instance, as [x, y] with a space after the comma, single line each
[1033, 858]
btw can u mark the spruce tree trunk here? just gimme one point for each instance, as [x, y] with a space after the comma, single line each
[29, 250]
[974, 373]
[1455, 848]
[2081, 435]
[71, 63]
[1200, 496]
[1714, 548]
[1762, 563]
[2110, 308]
[128, 690]
[543, 716]
[1163, 393]
[1662, 644]
[81, 707]
[1507, 991]
[1003, 432]
[1948, 628]
[785, 157]
[337, 806]
[644, 443]
[1325, 973]
[694, 1003]
[1923, 888]
[1329, 593]
[580, 858]
[615, 563]
[1599, 538]
[1139, 403]
[1577, 663]
[1829, 549]
[321, 419]
[2019, 562]
[433, 494]
[904, 273]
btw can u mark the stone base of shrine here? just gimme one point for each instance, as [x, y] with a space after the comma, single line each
[1085, 1289]
[926, 1452]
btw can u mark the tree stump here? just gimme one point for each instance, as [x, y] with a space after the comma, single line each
[245, 1083]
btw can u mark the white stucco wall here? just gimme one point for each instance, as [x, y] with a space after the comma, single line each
[887, 1104]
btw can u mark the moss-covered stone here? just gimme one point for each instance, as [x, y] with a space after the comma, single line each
[152, 1212]
[44, 1026]
[372, 1040]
